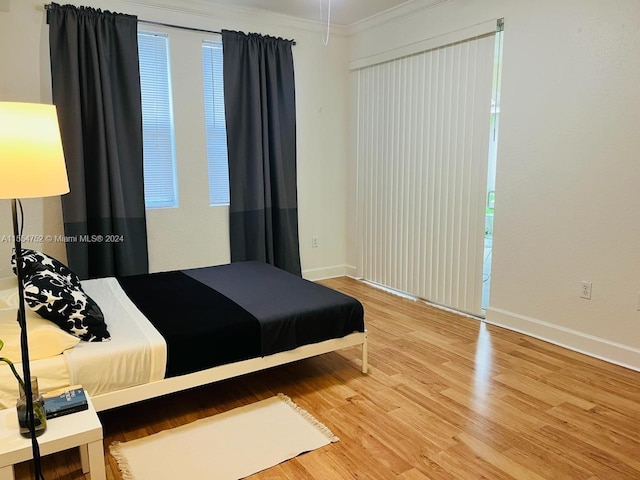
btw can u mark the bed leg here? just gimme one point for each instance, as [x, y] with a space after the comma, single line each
[365, 359]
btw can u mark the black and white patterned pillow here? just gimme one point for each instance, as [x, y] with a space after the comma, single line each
[53, 297]
[33, 260]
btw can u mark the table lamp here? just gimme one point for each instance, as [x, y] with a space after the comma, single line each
[31, 165]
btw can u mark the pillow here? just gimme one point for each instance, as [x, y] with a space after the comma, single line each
[33, 260]
[51, 296]
[45, 338]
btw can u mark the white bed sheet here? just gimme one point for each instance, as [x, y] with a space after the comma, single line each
[136, 353]
[51, 373]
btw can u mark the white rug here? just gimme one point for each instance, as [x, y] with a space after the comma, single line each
[228, 446]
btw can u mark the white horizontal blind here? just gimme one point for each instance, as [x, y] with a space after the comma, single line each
[160, 189]
[215, 123]
[423, 132]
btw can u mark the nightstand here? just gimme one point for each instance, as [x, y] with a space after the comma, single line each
[80, 429]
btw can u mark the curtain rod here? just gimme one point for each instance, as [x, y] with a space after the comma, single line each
[170, 25]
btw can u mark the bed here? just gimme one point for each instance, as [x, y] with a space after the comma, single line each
[172, 331]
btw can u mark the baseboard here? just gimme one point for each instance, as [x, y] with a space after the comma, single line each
[315, 274]
[353, 272]
[580, 342]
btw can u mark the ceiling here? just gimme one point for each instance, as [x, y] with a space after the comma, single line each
[343, 12]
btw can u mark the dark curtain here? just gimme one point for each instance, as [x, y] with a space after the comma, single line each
[96, 89]
[259, 96]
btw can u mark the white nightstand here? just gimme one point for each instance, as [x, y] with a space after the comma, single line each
[80, 429]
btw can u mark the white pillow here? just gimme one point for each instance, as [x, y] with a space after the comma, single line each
[45, 337]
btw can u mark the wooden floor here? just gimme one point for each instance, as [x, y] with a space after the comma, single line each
[447, 397]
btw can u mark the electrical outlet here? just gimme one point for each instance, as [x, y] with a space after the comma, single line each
[585, 290]
[314, 242]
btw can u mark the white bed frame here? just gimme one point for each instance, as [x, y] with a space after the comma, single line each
[169, 385]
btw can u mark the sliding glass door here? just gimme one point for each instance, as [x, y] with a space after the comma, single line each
[423, 139]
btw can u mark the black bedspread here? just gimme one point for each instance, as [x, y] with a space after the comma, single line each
[291, 311]
[216, 315]
[201, 327]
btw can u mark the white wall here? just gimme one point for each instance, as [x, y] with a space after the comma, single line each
[195, 234]
[568, 165]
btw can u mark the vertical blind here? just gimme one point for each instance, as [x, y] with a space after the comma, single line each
[215, 123]
[160, 187]
[422, 146]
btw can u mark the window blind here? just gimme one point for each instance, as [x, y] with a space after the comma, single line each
[422, 152]
[215, 123]
[157, 121]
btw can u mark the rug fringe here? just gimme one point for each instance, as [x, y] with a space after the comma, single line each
[307, 416]
[123, 465]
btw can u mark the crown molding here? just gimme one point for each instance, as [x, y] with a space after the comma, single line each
[229, 15]
[402, 11]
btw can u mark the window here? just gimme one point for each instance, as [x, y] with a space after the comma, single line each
[215, 123]
[160, 188]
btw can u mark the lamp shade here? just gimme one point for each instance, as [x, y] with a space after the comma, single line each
[31, 157]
